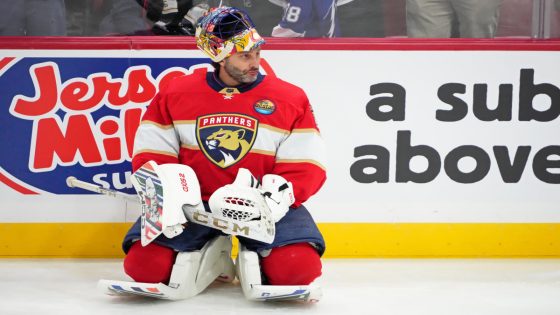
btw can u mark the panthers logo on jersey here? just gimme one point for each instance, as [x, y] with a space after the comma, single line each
[226, 138]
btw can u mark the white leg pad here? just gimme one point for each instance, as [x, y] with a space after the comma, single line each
[248, 269]
[183, 274]
[249, 274]
[191, 274]
[216, 262]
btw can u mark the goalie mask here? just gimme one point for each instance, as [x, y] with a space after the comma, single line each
[224, 31]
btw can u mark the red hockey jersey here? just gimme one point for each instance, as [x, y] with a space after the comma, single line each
[267, 127]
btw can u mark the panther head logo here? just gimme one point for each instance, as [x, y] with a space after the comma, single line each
[229, 143]
[226, 138]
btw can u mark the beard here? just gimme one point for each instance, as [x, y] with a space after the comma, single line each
[240, 75]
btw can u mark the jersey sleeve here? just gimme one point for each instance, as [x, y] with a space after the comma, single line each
[300, 158]
[156, 138]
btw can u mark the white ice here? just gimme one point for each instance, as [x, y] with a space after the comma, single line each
[350, 286]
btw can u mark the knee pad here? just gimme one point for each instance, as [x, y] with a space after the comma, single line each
[152, 263]
[294, 264]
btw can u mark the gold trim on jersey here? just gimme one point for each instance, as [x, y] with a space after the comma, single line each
[306, 130]
[263, 152]
[190, 146]
[184, 122]
[149, 122]
[173, 154]
[275, 129]
[302, 161]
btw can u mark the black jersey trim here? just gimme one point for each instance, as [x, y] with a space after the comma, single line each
[217, 85]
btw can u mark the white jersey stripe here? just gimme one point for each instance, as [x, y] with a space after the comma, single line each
[301, 145]
[268, 138]
[156, 139]
[187, 133]
[307, 146]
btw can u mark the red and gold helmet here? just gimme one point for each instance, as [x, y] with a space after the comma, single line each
[224, 31]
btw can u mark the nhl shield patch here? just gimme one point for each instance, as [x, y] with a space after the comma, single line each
[226, 138]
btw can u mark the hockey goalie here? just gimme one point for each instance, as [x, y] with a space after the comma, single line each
[221, 152]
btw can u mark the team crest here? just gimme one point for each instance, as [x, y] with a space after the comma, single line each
[226, 138]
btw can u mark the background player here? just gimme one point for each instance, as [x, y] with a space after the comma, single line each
[219, 121]
[307, 18]
[173, 17]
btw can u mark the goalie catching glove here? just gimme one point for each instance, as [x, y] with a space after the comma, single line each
[278, 194]
[246, 199]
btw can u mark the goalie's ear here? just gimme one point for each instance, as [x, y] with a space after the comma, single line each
[246, 178]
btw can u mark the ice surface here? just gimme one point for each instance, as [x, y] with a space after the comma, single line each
[350, 286]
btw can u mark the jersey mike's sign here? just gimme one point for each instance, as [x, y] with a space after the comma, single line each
[76, 116]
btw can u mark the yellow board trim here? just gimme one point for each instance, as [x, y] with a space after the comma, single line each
[344, 240]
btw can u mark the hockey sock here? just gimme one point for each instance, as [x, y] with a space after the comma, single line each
[152, 263]
[294, 264]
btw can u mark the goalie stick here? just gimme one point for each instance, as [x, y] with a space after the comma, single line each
[73, 182]
[193, 214]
